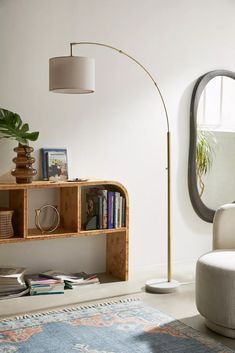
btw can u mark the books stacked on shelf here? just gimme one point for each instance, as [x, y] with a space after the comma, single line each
[87, 281]
[72, 280]
[12, 283]
[105, 209]
[39, 285]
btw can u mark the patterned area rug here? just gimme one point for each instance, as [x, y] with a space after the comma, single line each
[127, 326]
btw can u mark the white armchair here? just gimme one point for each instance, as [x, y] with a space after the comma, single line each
[215, 275]
[224, 227]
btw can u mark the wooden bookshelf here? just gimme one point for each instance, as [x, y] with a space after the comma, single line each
[70, 208]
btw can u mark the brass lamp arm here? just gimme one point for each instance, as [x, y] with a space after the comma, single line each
[168, 168]
[137, 62]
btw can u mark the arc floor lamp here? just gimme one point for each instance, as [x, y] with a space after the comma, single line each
[76, 74]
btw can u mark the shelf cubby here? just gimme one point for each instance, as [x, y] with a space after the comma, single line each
[15, 200]
[83, 191]
[69, 209]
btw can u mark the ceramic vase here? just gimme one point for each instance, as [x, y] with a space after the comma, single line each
[24, 171]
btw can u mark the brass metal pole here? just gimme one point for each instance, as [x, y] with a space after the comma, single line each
[169, 272]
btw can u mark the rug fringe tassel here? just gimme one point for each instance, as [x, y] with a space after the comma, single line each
[69, 309]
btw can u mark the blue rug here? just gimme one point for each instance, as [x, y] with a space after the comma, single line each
[127, 326]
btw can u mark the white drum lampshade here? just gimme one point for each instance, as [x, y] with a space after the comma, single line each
[72, 74]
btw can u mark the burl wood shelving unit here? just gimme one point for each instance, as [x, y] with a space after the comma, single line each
[70, 208]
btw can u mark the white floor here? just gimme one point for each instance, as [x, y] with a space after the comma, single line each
[180, 305]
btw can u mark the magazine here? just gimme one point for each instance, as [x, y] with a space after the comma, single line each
[56, 274]
[71, 279]
[11, 275]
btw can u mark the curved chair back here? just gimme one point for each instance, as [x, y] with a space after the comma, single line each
[224, 227]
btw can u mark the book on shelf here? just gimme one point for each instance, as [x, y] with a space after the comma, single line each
[11, 295]
[88, 281]
[54, 163]
[12, 275]
[46, 290]
[91, 218]
[40, 285]
[82, 285]
[116, 213]
[123, 212]
[100, 211]
[37, 280]
[104, 209]
[65, 276]
[57, 167]
[71, 280]
[110, 209]
[104, 195]
[120, 212]
[12, 287]
[12, 281]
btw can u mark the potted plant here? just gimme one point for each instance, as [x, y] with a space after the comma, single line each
[12, 127]
[206, 142]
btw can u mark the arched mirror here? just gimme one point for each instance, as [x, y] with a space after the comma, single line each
[211, 166]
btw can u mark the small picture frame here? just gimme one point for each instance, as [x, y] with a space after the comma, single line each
[54, 164]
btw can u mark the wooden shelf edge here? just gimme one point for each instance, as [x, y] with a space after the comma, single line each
[62, 235]
[102, 231]
[59, 184]
[11, 240]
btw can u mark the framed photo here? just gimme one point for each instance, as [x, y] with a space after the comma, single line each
[54, 164]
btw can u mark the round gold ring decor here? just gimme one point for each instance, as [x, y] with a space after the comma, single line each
[56, 221]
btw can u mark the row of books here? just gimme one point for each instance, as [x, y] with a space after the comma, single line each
[105, 209]
[39, 285]
[14, 282]
[55, 282]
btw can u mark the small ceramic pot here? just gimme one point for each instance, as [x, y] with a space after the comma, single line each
[24, 171]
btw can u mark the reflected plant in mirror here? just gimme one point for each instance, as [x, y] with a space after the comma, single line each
[205, 152]
[211, 167]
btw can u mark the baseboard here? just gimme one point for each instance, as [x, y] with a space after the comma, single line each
[183, 271]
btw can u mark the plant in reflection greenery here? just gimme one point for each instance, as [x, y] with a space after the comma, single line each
[205, 152]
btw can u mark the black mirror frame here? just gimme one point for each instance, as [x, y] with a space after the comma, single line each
[207, 214]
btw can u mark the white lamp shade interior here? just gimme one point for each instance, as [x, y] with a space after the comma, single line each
[72, 74]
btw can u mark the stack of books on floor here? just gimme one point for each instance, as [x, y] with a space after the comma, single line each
[40, 285]
[105, 209]
[12, 283]
[86, 281]
[72, 280]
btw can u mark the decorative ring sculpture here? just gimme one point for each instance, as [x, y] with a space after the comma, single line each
[55, 223]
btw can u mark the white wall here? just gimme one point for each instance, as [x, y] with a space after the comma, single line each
[118, 132]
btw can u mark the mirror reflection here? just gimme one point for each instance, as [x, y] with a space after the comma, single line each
[215, 147]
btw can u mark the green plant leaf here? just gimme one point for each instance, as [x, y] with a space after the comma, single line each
[11, 126]
[25, 128]
[32, 136]
[16, 121]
